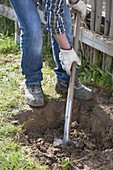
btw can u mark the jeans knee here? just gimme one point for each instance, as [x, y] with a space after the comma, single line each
[33, 33]
[36, 33]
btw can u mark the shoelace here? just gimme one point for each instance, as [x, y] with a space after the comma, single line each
[78, 84]
[35, 88]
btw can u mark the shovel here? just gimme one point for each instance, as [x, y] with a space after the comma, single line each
[70, 94]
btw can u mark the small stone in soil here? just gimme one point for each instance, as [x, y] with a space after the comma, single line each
[57, 142]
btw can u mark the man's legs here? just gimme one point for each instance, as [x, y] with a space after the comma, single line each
[31, 48]
[81, 92]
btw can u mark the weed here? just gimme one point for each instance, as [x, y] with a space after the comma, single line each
[7, 45]
[7, 26]
[65, 164]
[94, 75]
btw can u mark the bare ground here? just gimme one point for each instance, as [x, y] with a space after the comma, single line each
[92, 127]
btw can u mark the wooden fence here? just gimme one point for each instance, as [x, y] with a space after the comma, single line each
[96, 33]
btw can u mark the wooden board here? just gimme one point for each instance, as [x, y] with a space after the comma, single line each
[96, 41]
[7, 12]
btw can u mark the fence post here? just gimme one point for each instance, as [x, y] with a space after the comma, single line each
[111, 24]
[17, 33]
[106, 58]
[110, 67]
[98, 18]
[106, 28]
[111, 34]
[92, 25]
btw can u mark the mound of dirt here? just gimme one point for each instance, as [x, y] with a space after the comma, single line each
[91, 128]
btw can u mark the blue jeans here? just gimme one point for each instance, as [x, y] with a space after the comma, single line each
[31, 41]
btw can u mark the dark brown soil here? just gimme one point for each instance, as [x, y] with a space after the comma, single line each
[92, 128]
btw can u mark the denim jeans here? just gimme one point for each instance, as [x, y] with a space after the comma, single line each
[31, 41]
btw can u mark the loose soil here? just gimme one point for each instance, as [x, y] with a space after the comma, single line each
[91, 128]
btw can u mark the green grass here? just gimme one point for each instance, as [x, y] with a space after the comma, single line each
[9, 83]
[6, 27]
[7, 45]
[12, 154]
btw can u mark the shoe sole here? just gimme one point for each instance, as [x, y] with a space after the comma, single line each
[35, 105]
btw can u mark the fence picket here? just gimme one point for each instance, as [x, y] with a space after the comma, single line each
[106, 58]
[98, 17]
[107, 18]
[92, 25]
[93, 14]
[109, 59]
[111, 23]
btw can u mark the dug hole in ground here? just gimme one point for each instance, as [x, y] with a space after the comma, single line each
[92, 126]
